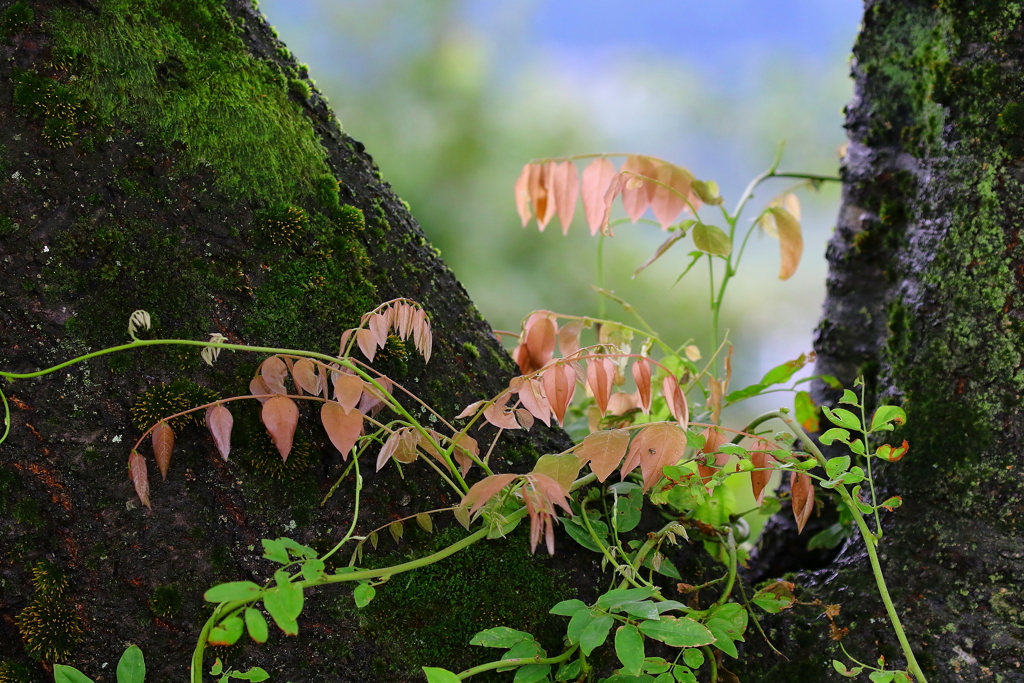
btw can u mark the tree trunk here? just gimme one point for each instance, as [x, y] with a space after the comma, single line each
[925, 302]
[172, 156]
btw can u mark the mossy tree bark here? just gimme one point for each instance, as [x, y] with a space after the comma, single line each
[171, 155]
[925, 300]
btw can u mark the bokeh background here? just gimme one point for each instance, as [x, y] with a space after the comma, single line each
[452, 97]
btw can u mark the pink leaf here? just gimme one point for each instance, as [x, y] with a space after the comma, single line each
[553, 492]
[596, 178]
[676, 401]
[604, 451]
[163, 445]
[220, 421]
[615, 187]
[637, 192]
[525, 418]
[464, 445]
[499, 415]
[559, 386]
[621, 402]
[666, 204]
[531, 395]
[662, 445]
[281, 416]
[600, 378]
[540, 341]
[305, 375]
[367, 342]
[569, 338]
[566, 189]
[257, 387]
[484, 490]
[343, 426]
[540, 193]
[522, 193]
[347, 390]
[470, 410]
[137, 473]
[378, 326]
[273, 370]
[642, 377]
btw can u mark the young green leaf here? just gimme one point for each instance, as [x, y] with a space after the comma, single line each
[131, 668]
[629, 648]
[568, 608]
[254, 674]
[711, 240]
[435, 675]
[834, 434]
[783, 373]
[69, 674]
[227, 632]
[886, 415]
[561, 468]
[694, 658]
[837, 466]
[677, 631]
[364, 594]
[881, 676]
[842, 418]
[850, 398]
[236, 590]
[579, 623]
[500, 636]
[284, 603]
[531, 673]
[275, 551]
[596, 633]
[256, 625]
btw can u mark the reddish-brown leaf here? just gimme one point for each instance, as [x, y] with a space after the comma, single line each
[540, 193]
[760, 476]
[343, 426]
[662, 445]
[373, 400]
[395, 442]
[499, 415]
[281, 416]
[367, 342]
[522, 194]
[137, 473]
[257, 387]
[604, 451]
[220, 421]
[273, 371]
[642, 377]
[525, 418]
[802, 489]
[559, 386]
[600, 379]
[464, 445]
[566, 187]
[163, 445]
[540, 340]
[713, 439]
[569, 338]
[306, 377]
[484, 490]
[553, 492]
[676, 400]
[347, 390]
[531, 395]
[596, 178]
[638, 191]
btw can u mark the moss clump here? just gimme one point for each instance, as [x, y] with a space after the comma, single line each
[49, 625]
[299, 87]
[1011, 119]
[351, 220]
[471, 350]
[165, 601]
[427, 617]
[58, 133]
[161, 401]
[284, 225]
[11, 672]
[36, 96]
[163, 66]
[16, 18]
[262, 455]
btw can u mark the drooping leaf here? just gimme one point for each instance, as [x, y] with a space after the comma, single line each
[531, 395]
[604, 451]
[140, 479]
[256, 624]
[131, 668]
[163, 446]
[600, 379]
[500, 416]
[522, 195]
[642, 377]
[484, 490]
[284, 602]
[561, 468]
[596, 178]
[629, 648]
[364, 594]
[259, 388]
[566, 187]
[281, 416]
[676, 401]
[638, 190]
[760, 476]
[660, 251]
[711, 240]
[343, 426]
[540, 336]
[539, 185]
[662, 445]
[791, 241]
[782, 373]
[615, 187]
[219, 421]
[559, 382]
[595, 633]
[347, 390]
[552, 491]
[401, 446]
[367, 342]
[424, 521]
[422, 336]
[802, 488]
[273, 371]
[669, 199]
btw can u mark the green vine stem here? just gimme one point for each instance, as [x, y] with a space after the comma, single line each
[520, 661]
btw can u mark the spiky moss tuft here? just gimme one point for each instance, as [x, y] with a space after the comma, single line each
[12, 672]
[260, 453]
[16, 18]
[163, 400]
[37, 96]
[284, 225]
[299, 87]
[163, 66]
[165, 601]
[351, 221]
[427, 617]
[49, 626]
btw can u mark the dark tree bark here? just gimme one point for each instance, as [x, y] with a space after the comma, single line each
[172, 156]
[925, 302]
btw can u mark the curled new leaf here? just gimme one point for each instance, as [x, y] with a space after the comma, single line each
[539, 185]
[343, 426]
[137, 473]
[802, 489]
[219, 421]
[565, 187]
[760, 476]
[600, 380]
[531, 395]
[484, 490]
[791, 241]
[522, 194]
[642, 377]
[281, 416]
[259, 388]
[559, 386]
[676, 401]
[163, 445]
[401, 446]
